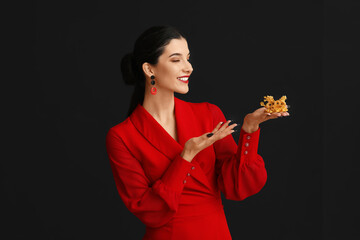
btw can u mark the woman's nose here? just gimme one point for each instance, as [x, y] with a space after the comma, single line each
[188, 67]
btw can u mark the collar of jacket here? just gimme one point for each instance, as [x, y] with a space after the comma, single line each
[185, 118]
[192, 120]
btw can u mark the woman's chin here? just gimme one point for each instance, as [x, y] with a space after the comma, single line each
[183, 90]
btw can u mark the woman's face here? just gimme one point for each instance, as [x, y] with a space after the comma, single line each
[173, 68]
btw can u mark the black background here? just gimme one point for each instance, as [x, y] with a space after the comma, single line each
[58, 184]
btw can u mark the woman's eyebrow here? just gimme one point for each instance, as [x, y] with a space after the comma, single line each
[177, 54]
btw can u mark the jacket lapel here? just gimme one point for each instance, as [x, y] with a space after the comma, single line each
[187, 127]
[154, 132]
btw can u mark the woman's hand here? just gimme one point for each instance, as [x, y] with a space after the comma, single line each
[252, 120]
[195, 145]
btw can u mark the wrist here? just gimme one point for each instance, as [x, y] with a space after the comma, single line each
[249, 125]
[187, 155]
[250, 129]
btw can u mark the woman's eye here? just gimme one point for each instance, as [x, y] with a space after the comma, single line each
[177, 60]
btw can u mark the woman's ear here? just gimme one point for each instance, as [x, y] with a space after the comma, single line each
[148, 70]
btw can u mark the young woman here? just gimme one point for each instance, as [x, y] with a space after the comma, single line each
[171, 158]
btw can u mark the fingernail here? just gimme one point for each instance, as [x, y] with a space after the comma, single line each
[210, 134]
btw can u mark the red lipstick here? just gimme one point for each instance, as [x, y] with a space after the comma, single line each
[183, 78]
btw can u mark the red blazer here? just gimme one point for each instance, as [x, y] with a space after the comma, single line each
[174, 198]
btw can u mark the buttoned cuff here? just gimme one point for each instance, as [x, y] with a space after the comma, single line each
[177, 173]
[248, 145]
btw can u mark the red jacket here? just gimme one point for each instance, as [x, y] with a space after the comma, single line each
[174, 198]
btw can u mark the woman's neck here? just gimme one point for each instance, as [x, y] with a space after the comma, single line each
[161, 106]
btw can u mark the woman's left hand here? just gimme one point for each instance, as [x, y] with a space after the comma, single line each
[252, 120]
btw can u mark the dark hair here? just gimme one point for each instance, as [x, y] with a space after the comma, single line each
[148, 48]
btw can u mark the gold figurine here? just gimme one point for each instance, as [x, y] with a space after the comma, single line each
[274, 105]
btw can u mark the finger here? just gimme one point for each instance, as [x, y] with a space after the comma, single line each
[285, 114]
[216, 129]
[225, 129]
[229, 129]
[208, 135]
[272, 116]
[224, 126]
[217, 126]
[232, 126]
[226, 132]
[222, 131]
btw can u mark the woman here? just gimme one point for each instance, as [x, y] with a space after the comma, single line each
[171, 158]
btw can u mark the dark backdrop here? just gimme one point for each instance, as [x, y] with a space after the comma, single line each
[58, 183]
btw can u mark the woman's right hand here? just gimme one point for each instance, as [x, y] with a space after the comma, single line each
[196, 144]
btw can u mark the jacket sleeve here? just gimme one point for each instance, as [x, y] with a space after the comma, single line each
[240, 169]
[153, 203]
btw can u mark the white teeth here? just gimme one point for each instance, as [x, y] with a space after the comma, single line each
[183, 79]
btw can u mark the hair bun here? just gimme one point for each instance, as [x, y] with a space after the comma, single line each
[127, 69]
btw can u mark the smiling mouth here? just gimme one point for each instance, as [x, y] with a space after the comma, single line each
[183, 79]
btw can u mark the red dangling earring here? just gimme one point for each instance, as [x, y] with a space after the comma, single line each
[153, 89]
